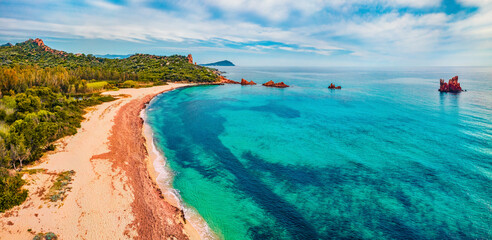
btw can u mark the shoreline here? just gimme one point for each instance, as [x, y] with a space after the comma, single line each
[196, 227]
[114, 192]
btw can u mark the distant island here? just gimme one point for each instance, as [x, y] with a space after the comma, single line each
[220, 63]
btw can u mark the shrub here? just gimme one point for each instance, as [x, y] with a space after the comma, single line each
[129, 84]
[96, 86]
[11, 192]
[60, 187]
[45, 236]
[50, 236]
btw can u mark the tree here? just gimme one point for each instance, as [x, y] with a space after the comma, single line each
[4, 154]
[27, 103]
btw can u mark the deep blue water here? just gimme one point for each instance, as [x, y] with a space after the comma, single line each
[385, 157]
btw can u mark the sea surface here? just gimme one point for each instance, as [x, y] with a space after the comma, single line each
[385, 157]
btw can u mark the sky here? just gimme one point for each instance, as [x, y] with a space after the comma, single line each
[263, 32]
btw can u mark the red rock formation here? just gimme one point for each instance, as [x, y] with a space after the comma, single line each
[332, 86]
[452, 86]
[245, 82]
[40, 43]
[277, 85]
[225, 80]
[190, 59]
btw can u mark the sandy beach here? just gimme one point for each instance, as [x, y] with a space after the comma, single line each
[113, 193]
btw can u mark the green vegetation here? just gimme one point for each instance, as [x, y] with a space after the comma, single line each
[35, 119]
[45, 236]
[129, 84]
[30, 64]
[60, 186]
[97, 86]
[11, 193]
[29, 124]
[43, 94]
[33, 171]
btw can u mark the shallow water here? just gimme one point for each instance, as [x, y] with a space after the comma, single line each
[385, 157]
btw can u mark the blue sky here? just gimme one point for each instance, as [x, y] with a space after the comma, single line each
[264, 32]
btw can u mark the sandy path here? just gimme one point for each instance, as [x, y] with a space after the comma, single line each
[113, 195]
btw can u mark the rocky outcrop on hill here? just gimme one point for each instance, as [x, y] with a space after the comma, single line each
[190, 59]
[277, 85]
[245, 82]
[39, 42]
[452, 86]
[332, 86]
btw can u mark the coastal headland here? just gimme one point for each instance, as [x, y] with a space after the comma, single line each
[113, 192]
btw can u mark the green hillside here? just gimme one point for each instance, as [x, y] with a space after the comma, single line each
[33, 56]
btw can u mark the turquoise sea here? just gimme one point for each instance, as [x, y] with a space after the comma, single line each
[385, 157]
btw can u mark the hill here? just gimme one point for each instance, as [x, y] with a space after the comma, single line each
[220, 63]
[138, 67]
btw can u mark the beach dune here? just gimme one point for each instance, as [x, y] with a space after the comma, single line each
[113, 193]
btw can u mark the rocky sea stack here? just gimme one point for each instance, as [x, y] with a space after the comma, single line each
[452, 86]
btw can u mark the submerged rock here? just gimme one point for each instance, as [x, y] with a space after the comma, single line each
[245, 82]
[452, 86]
[277, 85]
[332, 86]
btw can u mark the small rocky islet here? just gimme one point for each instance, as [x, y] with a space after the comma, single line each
[332, 86]
[452, 85]
[270, 83]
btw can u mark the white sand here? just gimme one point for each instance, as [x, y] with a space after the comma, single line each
[99, 203]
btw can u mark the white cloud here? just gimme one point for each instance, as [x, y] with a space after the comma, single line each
[415, 3]
[281, 10]
[391, 36]
[134, 24]
[104, 4]
[472, 36]
[407, 33]
[476, 3]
